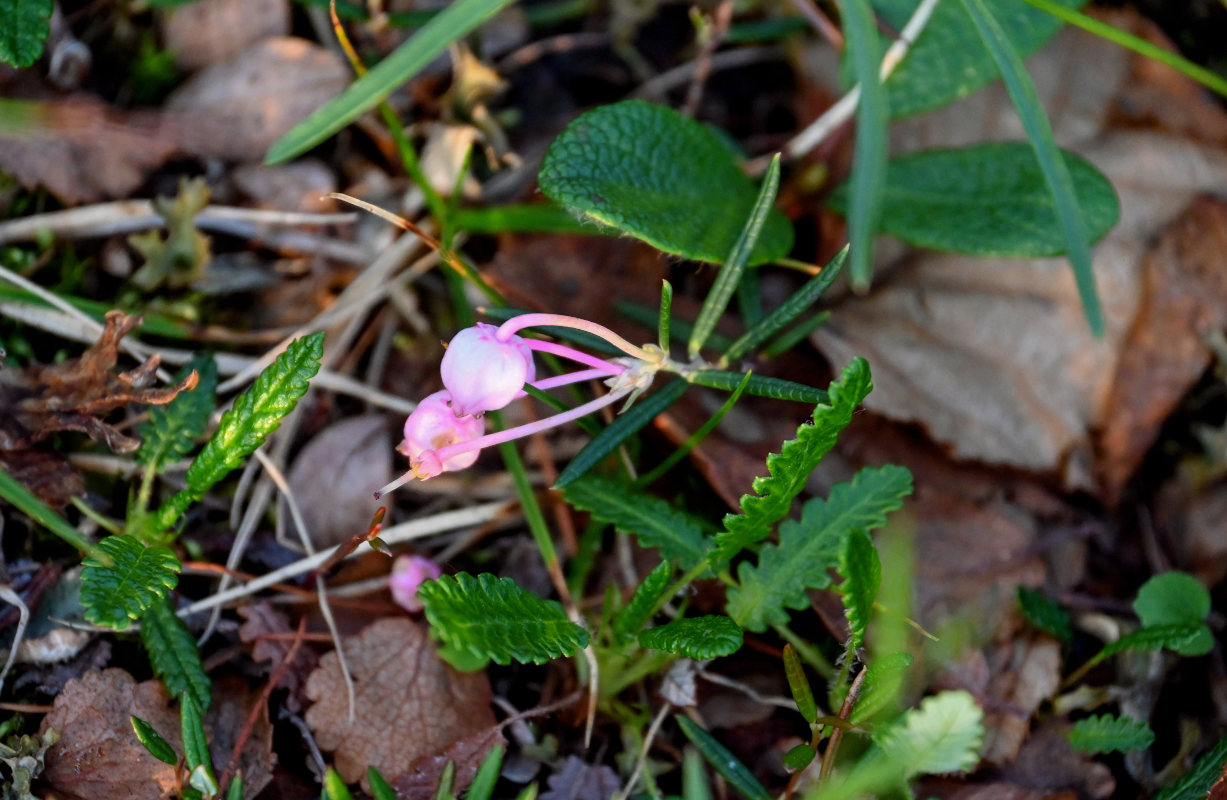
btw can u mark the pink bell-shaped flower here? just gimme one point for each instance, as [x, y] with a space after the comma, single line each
[484, 372]
[408, 573]
[434, 425]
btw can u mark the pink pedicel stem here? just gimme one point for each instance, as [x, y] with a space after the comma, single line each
[545, 384]
[562, 351]
[561, 320]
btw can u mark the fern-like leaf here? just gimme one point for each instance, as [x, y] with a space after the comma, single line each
[1197, 782]
[862, 571]
[810, 547]
[256, 413]
[118, 594]
[789, 469]
[1107, 733]
[634, 616]
[173, 654]
[655, 522]
[171, 430]
[700, 638]
[493, 618]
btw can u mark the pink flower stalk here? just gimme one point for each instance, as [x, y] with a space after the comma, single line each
[408, 573]
[485, 371]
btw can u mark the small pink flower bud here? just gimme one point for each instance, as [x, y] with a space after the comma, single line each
[434, 425]
[483, 372]
[408, 573]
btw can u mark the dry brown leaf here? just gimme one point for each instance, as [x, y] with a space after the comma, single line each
[333, 476]
[1026, 672]
[301, 185]
[256, 97]
[261, 619]
[993, 357]
[208, 31]
[421, 782]
[1048, 762]
[409, 703]
[579, 781]
[1006, 791]
[233, 700]
[98, 756]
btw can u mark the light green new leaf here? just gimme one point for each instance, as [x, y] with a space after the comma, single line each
[452, 23]
[790, 468]
[1172, 598]
[138, 576]
[810, 547]
[173, 654]
[656, 523]
[987, 200]
[700, 638]
[171, 430]
[631, 619]
[661, 177]
[943, 735]
[493, 618]
[862, 571]
[1107, 734]
[24, 30]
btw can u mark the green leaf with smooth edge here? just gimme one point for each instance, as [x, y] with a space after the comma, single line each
[452, 23]
[1172, 598]
[173, 654]
[942, 735]
[760, 385]
[790, 468]
[1108, 734]
[801, 300]
[727, 764]
[482, 787]
[730, 274]
[23, 34]
[948, 60]
[700, 638]
[334, 786]
[1045, 613]
[1034, 120]
[799, 757]
[656, 523]
[661, 177]
[380, 788]
[1197, 782]
[627, 424]
[664, 316]
[869, 158]
[158, 747]
[882, 685]
[987, 200]
[798, 684]
[138, 576]
[28, 503]
[255, 414]
[862, 571]
[631, 619]
[195, 741]
[493, 618]
[171, 430]
[235, 790]
[810, 547]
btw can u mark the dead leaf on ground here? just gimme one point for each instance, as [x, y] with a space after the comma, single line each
[257, 96]
[409, 703]
[1048, 762]
[260, 623]
[208, 31]
[421, 782]
[1026, 672]
[233, 700]
[580, 781]
[301, 185]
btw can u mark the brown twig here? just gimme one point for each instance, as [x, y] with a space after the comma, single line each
[845, 711]
[721, 19]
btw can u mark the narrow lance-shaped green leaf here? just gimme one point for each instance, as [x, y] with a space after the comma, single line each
[1039, 132]
[28, 503]
[760, 385]
[1197, 782]
[157, 746]
[730, 274]
[700, 638]
[862, 571]
[631, 619]
[665, 317]
[798, 684]
[196, 746]
[173, 654]
[727, 764]
[482, 787]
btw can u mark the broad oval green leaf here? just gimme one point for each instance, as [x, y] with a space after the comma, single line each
[700, 638]
[660, 177]
[987, 200]
[1172, 598]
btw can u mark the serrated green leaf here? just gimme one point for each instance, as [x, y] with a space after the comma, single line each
[660, 177]
[730, 274]
[27, 24]
[255, 414]
[948, 60]
[790, 468]
[158, 747]
[173, 654]
[195, 741]
[631, 619]
[482, 787]
[1170, 599]
[943, 735]
[862, 571]
[1186, 638]
[118, 595]
[451, 24]
[171, 430]
[380, 788]
[810, 547]
[625, 426]
[1108, 733]
[493, 618]
[700, 638]
[798, 684]
[760, 385]
[1045, 613]
[727, 764]
[987, 200]
[1197, 782]
[883, 680]
[655, 523]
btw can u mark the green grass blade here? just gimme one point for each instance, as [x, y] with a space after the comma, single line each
[730, 274]
[727, 764]
[1039, 132]
[869, 160]
[28, 503]
[380, 788]
[761, 385]
[454, 22]
[482, 787]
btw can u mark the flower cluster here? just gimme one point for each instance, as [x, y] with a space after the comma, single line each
[486, 367]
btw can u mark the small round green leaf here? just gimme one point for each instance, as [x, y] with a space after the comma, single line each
[1170, 599]
[799, 757]
[700, 638]
[661, 177]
